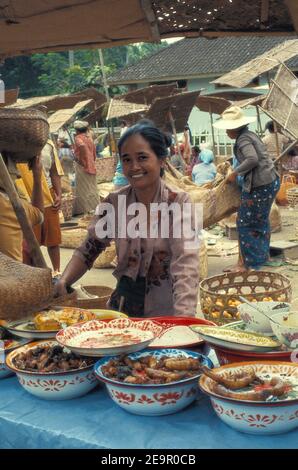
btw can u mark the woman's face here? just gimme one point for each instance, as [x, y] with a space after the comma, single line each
[232, 133]
[141, 166]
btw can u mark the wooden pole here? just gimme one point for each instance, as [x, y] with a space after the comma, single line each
[274, 124]
[175, 133]
[259, 121]
[9, 188]
[212, 130]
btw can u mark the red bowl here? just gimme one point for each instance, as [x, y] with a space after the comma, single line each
[226, 356]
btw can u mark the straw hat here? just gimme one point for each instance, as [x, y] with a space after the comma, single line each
[233, 118]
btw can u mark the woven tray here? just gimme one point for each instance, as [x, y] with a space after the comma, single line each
[103, 293]
[105, 258]
[219, 295]
[73, 237]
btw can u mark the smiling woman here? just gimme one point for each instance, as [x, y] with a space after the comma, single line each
[157, 273]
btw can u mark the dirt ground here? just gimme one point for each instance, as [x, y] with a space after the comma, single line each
[216, 264]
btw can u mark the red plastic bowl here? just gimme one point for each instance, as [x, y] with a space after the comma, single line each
[226, 356]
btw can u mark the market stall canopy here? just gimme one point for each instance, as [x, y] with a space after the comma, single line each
[53, 103]
[63, 117]
[10, 97]
[42, 26]
[148, 94]
[96, 115]
[179, 106]
[281, 103]
[120, 108]
[244, 75]
[249, 101]
[212, 104]
[91, 94]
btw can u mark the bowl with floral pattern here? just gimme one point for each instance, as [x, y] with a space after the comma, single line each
[256, 408]
[6, 346]
[285, 328]
[134, 381]
[257, 322]
[51, 372]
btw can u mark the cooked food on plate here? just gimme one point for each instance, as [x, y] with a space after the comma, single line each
[50, 359]
[150, 370]
[57, 319]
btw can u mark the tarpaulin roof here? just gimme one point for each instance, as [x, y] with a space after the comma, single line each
[42, 26]
[243, 75]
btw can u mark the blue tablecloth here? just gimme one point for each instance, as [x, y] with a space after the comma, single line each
[95, 421]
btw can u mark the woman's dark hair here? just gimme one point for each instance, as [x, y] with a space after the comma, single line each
[158, 140]
[65, 145]
[270, 126]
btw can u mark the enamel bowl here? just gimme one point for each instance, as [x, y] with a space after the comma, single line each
[99, 338]
[274, 416]
[285, 328]
[53, 385]
[258, 322]
[153, 399]
[4, 370]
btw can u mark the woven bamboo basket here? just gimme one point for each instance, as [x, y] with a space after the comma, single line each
[103, 293]
[73, 237]
[84, 221]
[292, 196]
[105, 259]
[23, 289]
[23, 132]
[67, 206]
[219, 295]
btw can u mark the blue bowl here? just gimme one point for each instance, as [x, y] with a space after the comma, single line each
[153, 399]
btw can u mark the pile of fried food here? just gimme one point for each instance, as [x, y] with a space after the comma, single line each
[150, 370]
[233, 385]
[50, 359]
[56, 319]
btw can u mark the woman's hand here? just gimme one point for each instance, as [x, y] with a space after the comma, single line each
[231, 178]
[60, 289]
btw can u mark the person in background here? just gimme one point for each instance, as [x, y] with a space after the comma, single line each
[123, 127]
[259, 187]
[49, 233]
[176, 159]
[205, 171]
[85, 156]
[66, 157]
[270, 141]
[155, 276]
[11, 235]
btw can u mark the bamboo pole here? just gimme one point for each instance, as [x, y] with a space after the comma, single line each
[175, 133]
[212, 130]
[259, 121]
[9, 188]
